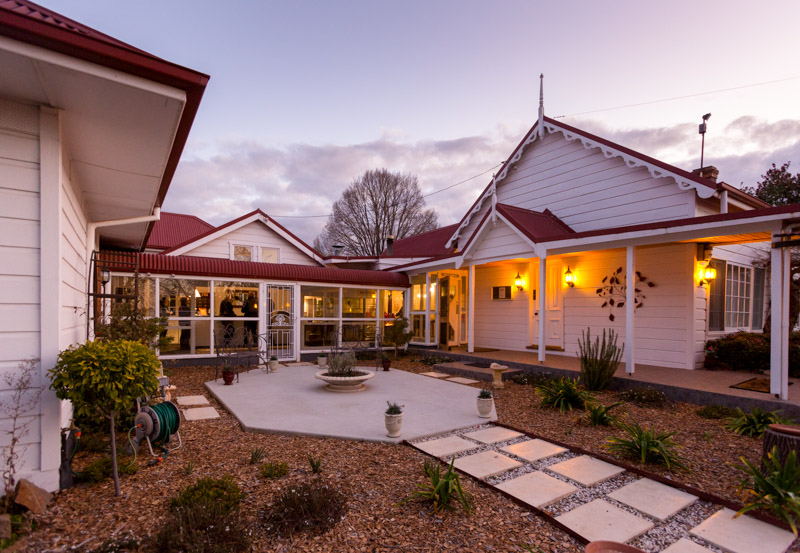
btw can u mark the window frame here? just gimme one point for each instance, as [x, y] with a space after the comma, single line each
[723, 269]
[255, 250]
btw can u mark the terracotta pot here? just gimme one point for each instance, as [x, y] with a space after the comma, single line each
[611, 547]
[227, 377]
[393, 425]
[386, 364]
[485, 407]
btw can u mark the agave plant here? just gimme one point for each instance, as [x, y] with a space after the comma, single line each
[754, 423]
[442, 491]
[776, 489]
[563, 394]
[598, 414]
[647, 446]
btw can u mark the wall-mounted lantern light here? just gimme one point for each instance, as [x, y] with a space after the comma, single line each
[105, 275]
[570, 278]
[706, 274]
[519, 282]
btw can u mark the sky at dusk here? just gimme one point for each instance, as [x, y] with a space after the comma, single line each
[306, 95]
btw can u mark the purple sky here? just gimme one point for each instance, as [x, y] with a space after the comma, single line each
[304, 96]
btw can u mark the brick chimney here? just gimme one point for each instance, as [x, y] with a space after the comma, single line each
[390, 245]
[708, 172]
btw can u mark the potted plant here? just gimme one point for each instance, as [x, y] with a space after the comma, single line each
[322, 360]
[273, 364]
[485, 402]
[342, 375]
[386, 361]
[228, 375]
[393, 419]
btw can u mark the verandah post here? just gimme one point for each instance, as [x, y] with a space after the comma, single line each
[542, 304]
[779, 324]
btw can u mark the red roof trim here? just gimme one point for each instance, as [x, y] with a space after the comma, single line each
[82, 42]
[225, 268]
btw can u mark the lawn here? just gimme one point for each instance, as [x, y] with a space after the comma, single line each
[374, 478]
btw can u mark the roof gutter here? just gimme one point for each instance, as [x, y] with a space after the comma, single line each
[91, 232]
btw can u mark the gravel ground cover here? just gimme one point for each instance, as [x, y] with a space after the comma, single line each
[375, 477]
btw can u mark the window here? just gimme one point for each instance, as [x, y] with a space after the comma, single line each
[737, 296]
[320, 302]
[358, 303]
[270, 255]
[418, 293]
[759, 280]
[242, 253]
[716, 297]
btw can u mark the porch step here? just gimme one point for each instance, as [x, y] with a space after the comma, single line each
[458, 368]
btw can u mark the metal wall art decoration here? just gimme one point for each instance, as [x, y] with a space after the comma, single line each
[614, 289]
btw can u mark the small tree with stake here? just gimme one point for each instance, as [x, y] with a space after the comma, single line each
[396, 334]
[104, 378]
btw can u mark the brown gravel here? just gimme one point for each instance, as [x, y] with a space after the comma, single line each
[374, 477]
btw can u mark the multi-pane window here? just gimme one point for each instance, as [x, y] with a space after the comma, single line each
[737, 296]
[716, 297]
[759, 281]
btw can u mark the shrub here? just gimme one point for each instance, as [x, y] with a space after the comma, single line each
[431, 360]
[754, 423]
[257, 454]
[342, 364]
[316, 464]
[311, 506]
[532, 378]
[442, 491]
[126, 322]
[645, 397]
[776, 489]
[647, 446]
[599, 359]
[102, 469]
[274, 469]
[750, 352]
[598, 414]
[715, 412]
[203, 527]
[563, 394]
[396, 335]
[218, 491]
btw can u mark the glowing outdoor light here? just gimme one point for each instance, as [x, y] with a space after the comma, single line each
[570, 278]
[707, 274]
[519, 282]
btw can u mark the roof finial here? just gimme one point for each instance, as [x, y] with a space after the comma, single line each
[541, 106]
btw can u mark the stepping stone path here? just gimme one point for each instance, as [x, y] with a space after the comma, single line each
[600, 500]
[461, 380]
[435, 374]
[192, 400]
[200, 413]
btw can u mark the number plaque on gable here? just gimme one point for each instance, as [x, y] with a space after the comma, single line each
[501, 292]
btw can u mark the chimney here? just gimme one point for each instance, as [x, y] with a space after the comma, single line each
[337, 249]
[708, 172]
[390, 245]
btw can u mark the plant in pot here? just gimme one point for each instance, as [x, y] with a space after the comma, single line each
[342, 375]
[386, 362]
[393, 418]
[273, 364]
[485, 402]
[228, 374]
[322, 360]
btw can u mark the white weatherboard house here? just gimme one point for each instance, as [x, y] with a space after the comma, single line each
[91, 131]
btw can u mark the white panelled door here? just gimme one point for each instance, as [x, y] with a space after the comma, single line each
[554, 328]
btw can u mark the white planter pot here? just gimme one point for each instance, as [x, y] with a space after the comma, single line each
[345, 383]
[273, 365]
[322, 361]
[485, 407]
[393, 425]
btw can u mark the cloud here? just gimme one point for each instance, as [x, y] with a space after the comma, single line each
[305, 179]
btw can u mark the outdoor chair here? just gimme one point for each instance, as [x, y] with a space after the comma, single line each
[234, 350]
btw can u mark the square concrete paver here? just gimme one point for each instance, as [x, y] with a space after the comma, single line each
[600, 520]
[686, 546]
[486, 464]
[533, 450]
[653, 498]
[446, 446]
[192, 400]
[435, 374]
[742, 535]
[200, 413]
[493, 435]
[461, 380]
[586, 470]
[537, 488]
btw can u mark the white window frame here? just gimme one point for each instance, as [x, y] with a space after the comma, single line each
[255, 250]
[741, 270]
[750, 300]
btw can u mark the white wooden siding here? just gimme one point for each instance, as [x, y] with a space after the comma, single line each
[707, 206]
[73, 262]
[253, 233]
[500, 240]
[500, 324]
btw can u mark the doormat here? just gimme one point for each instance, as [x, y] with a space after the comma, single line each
[478, 365]
[485, 350]
[755, 385]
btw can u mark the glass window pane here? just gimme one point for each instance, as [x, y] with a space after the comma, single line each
[320, 301]
[358, 303]
[269, 255]
[189, 337]
[235, 299]
[242, 253]
[184, 298]
[418, 328]
[418, 293]
[434, 291]
[391, 303]
[321, 335]
[358, 334]
[147, 291]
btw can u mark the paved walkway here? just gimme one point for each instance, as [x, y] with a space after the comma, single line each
[293, 401]
[697, 386]
[599, 500]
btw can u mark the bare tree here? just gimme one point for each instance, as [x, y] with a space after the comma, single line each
[377, 204]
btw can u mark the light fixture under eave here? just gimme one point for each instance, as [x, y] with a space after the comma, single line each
[570, 278]
[519, 282]
[706, 275]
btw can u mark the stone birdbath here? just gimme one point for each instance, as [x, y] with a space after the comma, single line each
[497, 374]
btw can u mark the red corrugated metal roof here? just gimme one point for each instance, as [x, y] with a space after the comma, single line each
[225, 268]
[427, 244]
[534, 224]
[175, 228]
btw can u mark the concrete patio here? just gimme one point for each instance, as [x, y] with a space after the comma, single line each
[292, 401]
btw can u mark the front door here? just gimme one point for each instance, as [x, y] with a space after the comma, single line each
[280, 320]
[554, 304]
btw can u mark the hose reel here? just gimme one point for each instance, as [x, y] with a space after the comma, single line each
[157, 424]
